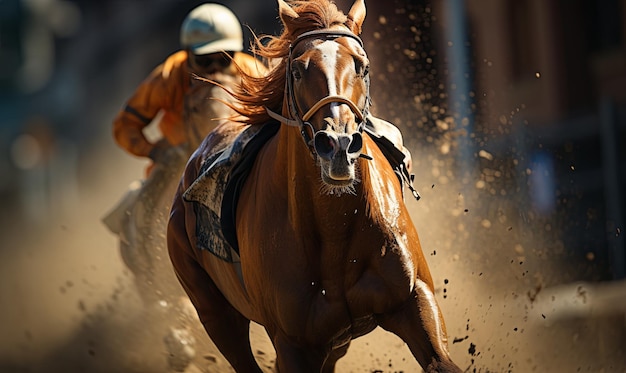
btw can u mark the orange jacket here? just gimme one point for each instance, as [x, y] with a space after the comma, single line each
[164, 89]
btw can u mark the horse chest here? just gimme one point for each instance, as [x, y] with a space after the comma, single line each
[322, 315]
[334, 307]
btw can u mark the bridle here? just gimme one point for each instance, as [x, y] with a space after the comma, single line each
[302, 121]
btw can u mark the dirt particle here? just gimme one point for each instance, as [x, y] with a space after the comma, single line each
[532, 294]
[459, 339]
[472, 349]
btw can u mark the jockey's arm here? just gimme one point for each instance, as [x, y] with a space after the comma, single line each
[149, 98]
[128, 132]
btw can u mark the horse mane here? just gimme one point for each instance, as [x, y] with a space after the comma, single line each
[254, 94]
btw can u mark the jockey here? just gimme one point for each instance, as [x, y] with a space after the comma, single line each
[212, 42]
[178, 97]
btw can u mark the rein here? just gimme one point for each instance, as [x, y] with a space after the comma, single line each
[302, 122]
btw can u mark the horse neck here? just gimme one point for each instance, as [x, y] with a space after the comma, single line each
[381, 190]
[295, 161]
[377, 195]
[337, 230]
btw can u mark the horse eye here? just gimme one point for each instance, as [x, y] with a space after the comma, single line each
[366, 70]
[362, 69]
[296, 74]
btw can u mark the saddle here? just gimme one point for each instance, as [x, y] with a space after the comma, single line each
[223, 173]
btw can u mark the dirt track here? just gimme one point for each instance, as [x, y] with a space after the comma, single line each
[68, 304]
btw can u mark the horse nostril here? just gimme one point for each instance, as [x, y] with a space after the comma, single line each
[324, 145]
[356, 144]
[327, 144]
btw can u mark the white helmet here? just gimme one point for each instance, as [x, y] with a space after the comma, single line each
[211, 28]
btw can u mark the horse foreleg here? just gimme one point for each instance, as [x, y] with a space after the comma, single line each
[227, 328]
[335, 355]
[420, 325]
[294, 358]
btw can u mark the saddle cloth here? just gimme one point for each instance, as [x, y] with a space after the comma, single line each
[216, 189]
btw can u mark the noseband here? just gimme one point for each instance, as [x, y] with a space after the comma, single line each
[302, 121]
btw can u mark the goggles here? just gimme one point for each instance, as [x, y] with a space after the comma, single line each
[214, 59]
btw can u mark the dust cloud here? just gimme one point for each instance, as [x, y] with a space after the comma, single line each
[70, 305]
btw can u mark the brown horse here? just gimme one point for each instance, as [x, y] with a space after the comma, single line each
[327, 248]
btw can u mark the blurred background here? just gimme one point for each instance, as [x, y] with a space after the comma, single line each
[514, 112]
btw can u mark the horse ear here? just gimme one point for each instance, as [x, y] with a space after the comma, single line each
[356, 16]
[287, 14]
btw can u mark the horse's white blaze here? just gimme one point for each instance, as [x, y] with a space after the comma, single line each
[329, 50]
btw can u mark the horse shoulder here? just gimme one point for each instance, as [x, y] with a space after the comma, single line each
[383, 279]
[396, 261]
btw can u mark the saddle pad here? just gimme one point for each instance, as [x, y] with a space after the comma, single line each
[216, 189]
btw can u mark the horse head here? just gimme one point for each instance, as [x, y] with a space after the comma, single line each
[327, 93]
